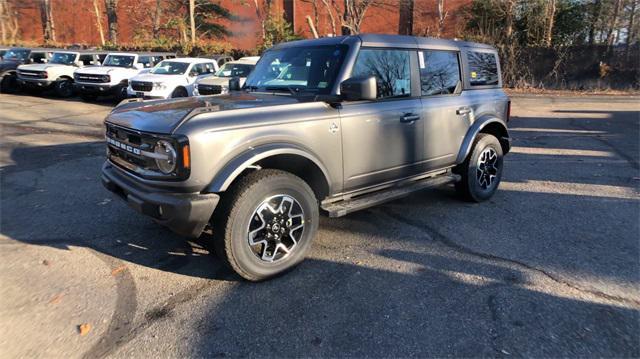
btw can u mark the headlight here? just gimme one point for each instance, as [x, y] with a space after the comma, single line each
[159, 86]
[106, 78]
[168, 157]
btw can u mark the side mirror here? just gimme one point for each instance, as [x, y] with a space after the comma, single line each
[138, 66]
[359, 88]
[193, 74]
[234, 84]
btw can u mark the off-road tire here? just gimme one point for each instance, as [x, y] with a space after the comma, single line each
[470, 187]
[63, 88]
[9, 83]
[179, 92]
[238, 208]
[121, 93]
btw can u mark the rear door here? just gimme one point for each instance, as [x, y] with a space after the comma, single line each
[444, 111]
[383, 139]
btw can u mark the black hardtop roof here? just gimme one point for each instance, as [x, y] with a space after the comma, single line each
[384, 40]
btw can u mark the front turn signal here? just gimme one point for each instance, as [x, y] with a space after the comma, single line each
[186, 157]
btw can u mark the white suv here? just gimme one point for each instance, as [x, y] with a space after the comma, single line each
[57, 73]
[171, 78]
[219, 83]
[112, 78]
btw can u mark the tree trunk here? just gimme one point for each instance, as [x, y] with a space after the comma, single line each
[346, 17]
[331, 17]
[551, 15]
[597, 5]
[405, 22]
[157, 17]
[192, 20]
[48, 27]
[112, 19]
[632, 16]
[442, 15]
[613, 23]
[4, 15]
[99, 21]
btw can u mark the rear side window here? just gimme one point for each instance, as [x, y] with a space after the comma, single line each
[391, 68]
[483, 68]
[439, 72]
[145, 61]
[38, 57]
[86, 60]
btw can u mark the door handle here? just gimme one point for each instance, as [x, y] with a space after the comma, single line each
[409, 117]
[463, 111]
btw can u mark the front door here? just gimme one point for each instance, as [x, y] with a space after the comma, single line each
[382, 140]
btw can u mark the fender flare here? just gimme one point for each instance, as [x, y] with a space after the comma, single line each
[473, 132]
[238, 164]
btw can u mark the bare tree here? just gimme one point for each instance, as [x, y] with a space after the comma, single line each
[8, 22]
[631, 26]
[330, 8]
[48, 26]
[551, 15]
[156, 18]
[613, 23]
[112, 19]
[442, 16]
[96, 8]
[405, 20]
[192, 20]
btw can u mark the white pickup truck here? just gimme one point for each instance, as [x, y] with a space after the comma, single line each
[112, 78]
[171, 78]
[219, 82]
[57, 73]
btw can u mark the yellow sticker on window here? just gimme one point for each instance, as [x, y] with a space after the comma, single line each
[473, 74]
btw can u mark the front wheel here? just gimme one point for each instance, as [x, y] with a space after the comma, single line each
[179, 92]
[481, 172]
[267, 223]
[64, 88]
[9, 83]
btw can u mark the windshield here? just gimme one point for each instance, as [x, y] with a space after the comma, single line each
[16, 54]
[170, 68]
[63, 58]
[119, 61]
[234, 70]
[310, 69]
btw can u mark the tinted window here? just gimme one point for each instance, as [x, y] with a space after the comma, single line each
[483, 69]
[391, 69]
[145, 61]
[17, 54]
[439, 72]
[38, 57]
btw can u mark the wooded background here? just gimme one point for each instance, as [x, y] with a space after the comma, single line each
[567, 44]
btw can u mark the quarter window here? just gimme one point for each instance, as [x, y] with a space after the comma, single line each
[439, 72]
[483, 68]
[391, 68]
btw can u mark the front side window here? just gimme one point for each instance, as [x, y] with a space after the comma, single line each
[63, 58]
[307, 69]
[234, 70]
[391, 68]
[170, 68]
[119, 61]
[483, 68]
[439, 72]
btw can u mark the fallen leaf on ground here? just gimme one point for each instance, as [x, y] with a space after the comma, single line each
[56, 298]
[118, 270]
[84, 329]
[45, 262]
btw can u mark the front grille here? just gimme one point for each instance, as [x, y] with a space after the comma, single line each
[126, 145]
[100, 79]
[141, 86]
[31, 74]
[209, 89]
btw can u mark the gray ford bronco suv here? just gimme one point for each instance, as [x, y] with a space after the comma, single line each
[333, 124]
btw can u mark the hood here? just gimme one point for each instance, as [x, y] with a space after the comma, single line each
[164, 116]
[148, 77]
[101, 70]
[214, 80]
[41, 67]
[8, 64]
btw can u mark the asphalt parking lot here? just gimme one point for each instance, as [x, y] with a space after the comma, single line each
[549, 267]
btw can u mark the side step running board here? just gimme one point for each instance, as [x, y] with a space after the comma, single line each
[343, 208]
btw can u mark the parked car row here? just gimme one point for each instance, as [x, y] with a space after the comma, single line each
[90, 73]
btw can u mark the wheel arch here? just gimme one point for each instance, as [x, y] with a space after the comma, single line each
[489, 124]
[286, 157]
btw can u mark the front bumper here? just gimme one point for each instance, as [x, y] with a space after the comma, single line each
[96, 89]
[35, 83]
[184, 213]
[149, 95]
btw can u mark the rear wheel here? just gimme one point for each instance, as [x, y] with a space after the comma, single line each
[64, 88]
[481, 172]
[267, 224]
[121, 93]
[179, 92]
